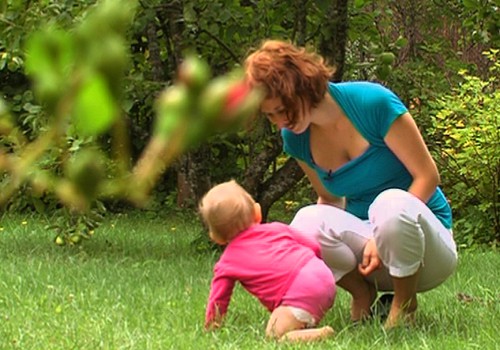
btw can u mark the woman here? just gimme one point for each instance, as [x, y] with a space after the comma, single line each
[382, 221]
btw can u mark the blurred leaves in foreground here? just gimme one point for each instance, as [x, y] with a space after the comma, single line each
[77, 79]
[77, 75]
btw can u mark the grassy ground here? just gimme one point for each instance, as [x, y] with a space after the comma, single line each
[140, 283]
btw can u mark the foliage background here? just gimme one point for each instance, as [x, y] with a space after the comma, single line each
[438, 63]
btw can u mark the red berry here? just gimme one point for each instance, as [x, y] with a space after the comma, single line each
[235, 96]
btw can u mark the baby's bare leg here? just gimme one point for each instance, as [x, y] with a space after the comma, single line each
[283, 326]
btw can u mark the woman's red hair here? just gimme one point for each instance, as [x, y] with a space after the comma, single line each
[297, 76]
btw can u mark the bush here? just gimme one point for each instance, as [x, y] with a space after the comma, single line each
[466, 126]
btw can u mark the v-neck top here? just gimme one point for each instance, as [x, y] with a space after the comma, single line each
[371, 108]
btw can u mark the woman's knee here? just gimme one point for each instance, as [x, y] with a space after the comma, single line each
[391, 202]
[392, 212]
[340, 261]
[307, 213]
[397, 231]
[307, 220]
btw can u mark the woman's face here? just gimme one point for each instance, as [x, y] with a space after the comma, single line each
[275, 111]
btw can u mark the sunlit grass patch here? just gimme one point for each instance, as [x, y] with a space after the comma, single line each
[139, 284]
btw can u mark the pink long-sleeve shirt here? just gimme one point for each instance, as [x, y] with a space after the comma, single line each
[265, 259]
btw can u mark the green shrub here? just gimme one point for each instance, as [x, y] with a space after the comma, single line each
[466, 128]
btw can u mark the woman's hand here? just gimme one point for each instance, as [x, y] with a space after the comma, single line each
[371, 260]
[333, 201]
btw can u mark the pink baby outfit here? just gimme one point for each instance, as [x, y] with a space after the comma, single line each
[267, 259]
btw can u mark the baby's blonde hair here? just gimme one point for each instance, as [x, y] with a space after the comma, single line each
[227, 209]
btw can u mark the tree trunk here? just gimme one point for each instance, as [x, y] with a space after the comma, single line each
[193, 178]
[300, 27]
[268, 189]
[408, 14]
[154, 53]
[333, 45]
[278, 185]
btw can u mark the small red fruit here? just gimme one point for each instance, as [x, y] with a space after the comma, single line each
[236, 96]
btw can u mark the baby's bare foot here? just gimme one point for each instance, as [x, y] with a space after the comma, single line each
[308, 335]
[327, 332]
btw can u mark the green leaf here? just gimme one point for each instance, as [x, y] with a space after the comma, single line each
[359, 3]
[470, 4]
[4, 110]
[39, 205]
[49, 52]
[49, 61]
[95, 109]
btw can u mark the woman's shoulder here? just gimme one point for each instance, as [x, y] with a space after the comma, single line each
[360, 87]
[296, 145]
[290, 137]
[371, 106]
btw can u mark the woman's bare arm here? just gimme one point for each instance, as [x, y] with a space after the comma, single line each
[406, 142]
[324, 197]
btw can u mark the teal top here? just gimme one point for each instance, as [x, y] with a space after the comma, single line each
[372, 109]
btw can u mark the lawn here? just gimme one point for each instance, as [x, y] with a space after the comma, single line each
[141, 283]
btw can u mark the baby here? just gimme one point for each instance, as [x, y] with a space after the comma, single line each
[278, 265]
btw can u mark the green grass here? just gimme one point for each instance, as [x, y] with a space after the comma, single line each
[139, 283]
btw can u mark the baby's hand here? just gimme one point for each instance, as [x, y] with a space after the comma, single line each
[213, 325]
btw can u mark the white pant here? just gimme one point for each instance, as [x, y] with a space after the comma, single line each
[407, 234]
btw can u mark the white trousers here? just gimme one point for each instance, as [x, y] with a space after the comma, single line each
[407, 234]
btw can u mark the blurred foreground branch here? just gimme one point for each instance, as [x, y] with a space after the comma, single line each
[77, 78]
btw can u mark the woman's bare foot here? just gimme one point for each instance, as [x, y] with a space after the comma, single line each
[401, 315]
[404, 304]
[362, 302]
[363, 294]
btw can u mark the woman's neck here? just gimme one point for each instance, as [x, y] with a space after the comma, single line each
[326, 115]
